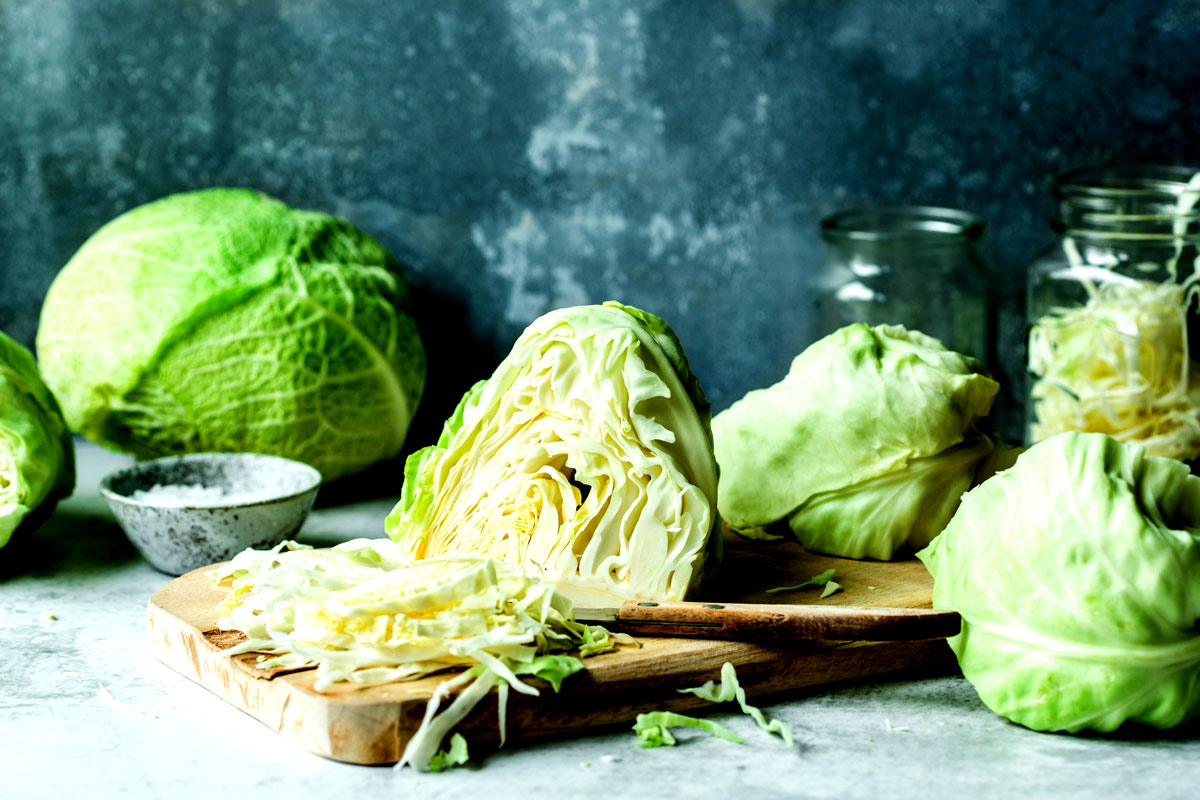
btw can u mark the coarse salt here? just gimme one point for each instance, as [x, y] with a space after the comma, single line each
[188, 494]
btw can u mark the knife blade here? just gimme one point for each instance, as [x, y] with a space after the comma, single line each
[753, 621]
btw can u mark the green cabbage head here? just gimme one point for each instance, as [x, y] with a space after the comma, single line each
[864, 447]
[223, 320]
[1077, 575]
[587, 455]
[37, 464]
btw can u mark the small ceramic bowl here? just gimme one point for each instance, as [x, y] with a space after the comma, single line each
[186, 512]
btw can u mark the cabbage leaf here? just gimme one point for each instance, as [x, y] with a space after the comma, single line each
[653, 729]
[454, 756]
[824, 579]
[727, 690]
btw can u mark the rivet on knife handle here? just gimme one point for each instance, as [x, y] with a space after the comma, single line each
[751, 621]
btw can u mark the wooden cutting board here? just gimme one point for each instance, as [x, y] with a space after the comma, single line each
[372, 725]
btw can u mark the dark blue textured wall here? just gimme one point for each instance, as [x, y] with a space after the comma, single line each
[525, 155]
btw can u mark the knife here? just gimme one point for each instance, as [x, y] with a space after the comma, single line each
[753, 621]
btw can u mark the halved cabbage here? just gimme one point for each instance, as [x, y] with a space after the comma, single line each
[586, 456]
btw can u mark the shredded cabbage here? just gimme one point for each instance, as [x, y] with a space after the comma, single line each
[727, 690]
[455, 755]
[364, 613]
[654, 728]
[1120, 363]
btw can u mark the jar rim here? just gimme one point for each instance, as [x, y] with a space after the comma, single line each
[917, 224]
[1137, 202]
[1127, 180]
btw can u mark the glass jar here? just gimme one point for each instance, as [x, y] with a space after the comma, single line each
[916, 266]
[1112, 314]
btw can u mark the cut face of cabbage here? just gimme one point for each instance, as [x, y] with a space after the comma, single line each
[587, 456]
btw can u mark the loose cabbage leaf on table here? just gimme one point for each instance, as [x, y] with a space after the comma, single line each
[653, 729]
[824, 579]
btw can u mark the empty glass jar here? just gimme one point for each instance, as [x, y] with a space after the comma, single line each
[1112, 311]
[917, 266]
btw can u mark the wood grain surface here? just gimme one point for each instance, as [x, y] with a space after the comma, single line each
[762, 621]
[372, 725]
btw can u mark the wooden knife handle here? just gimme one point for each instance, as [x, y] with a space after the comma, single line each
[750, 621]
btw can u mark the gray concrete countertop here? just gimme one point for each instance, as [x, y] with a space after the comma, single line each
[86, 712]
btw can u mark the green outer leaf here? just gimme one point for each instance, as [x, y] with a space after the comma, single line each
[454, 756]
[37, 456]
[452, 425]
[418, 491]
[899, 511]
[1077, 575]
[863, 404]
[550, 668]
[243, 325]
[653, 728]
[757, 532]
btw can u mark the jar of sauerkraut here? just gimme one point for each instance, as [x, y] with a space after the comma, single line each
[1112, 311]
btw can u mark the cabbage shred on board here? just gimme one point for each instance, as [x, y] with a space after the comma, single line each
[223, 320]
[587, 457]
[364, 613]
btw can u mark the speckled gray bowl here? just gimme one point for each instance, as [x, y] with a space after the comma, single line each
[267, 500]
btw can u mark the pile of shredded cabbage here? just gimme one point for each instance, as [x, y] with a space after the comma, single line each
[1120, 363]
[364, 613]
